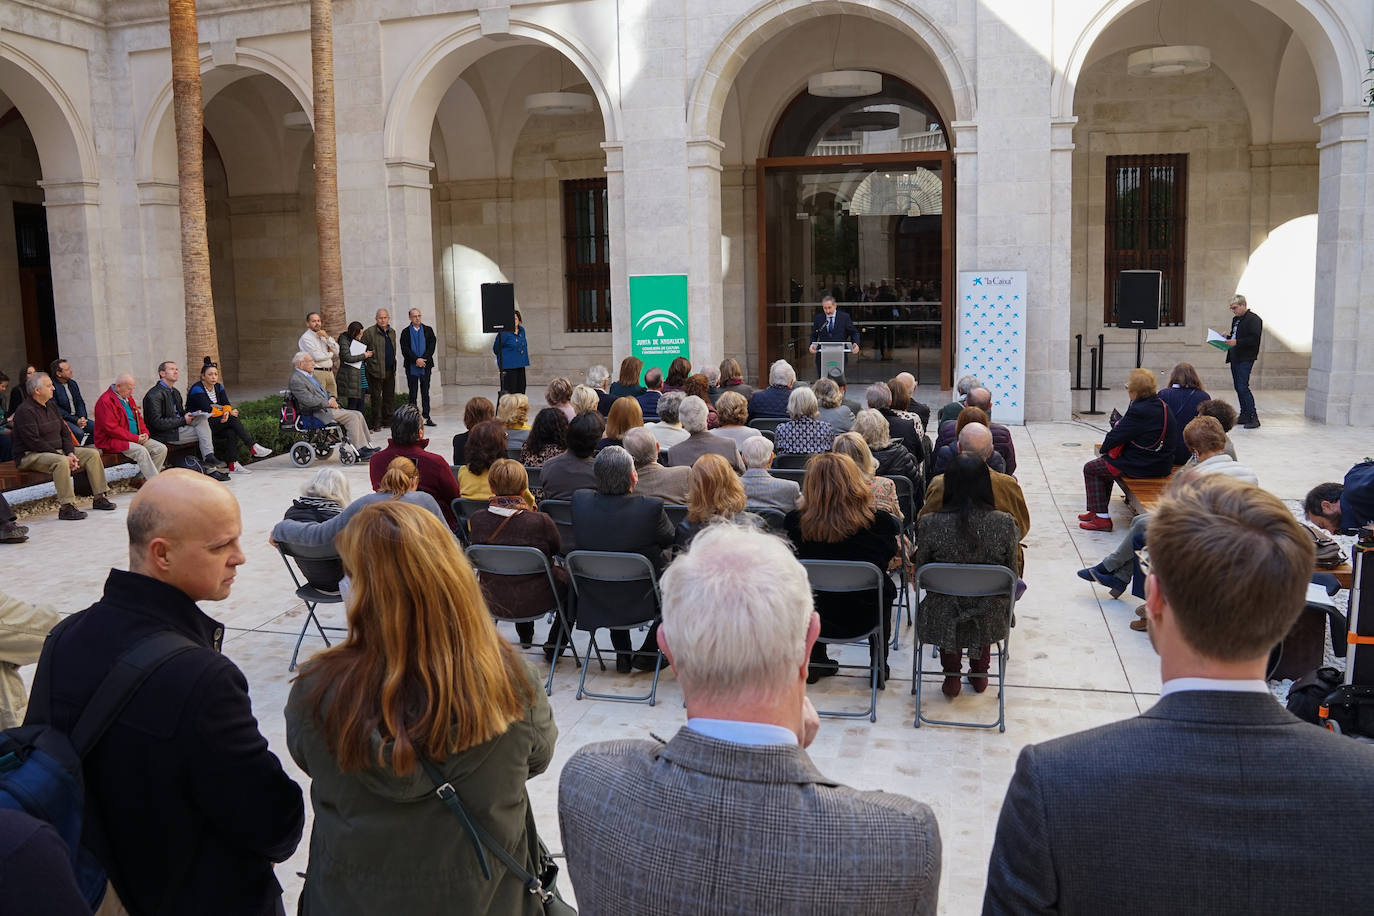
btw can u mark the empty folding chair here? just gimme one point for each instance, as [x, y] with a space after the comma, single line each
[511, 560]
[676, 514]
[560, 510]
[320, 566]
[966, 580]
[536, 477]
[774, 520]
[463, 508]
[793, 474]
[770, 424]
[615, 591]
[850, 577]
[791, 461]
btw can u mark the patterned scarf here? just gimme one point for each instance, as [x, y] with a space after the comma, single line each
[507, 502]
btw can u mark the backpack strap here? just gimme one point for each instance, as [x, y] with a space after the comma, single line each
[118, 687]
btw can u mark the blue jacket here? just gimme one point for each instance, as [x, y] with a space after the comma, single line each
[511, 349]
[197, 399]
[73, 410]
[1146, 421]
[844, 329]
[1183, 402]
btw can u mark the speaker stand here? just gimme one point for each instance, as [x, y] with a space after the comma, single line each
[1139, 343]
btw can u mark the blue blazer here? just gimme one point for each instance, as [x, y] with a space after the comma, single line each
[73, 411]
[511, 349]
[844, 329]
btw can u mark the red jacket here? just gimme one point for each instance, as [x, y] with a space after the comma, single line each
[436, 475]
[112, 423]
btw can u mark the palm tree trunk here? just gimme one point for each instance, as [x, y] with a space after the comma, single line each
[201, 337]
[326, 167]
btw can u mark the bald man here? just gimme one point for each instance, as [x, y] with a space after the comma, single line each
[976, 439]
[185, 805]
[119, 428]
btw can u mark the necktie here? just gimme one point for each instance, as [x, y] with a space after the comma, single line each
[829, 326]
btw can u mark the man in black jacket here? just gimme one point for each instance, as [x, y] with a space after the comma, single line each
[185, 805]
[417, 350]
[879, 397]
[1246, 330]
[168, 422]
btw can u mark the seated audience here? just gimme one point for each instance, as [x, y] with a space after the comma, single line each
[699, 441]
[407, 440]
[837, 376]
[667, 429]
[1183, 396]
[1141, 444]
[678, 371]
[313, 400]
[914, 406]
[627, 383]
[893, 458]
[513, 413]
[23, 628]
[559, 394]
[322, 497]
[653, 479]
[6, 443]
[614, 517]
[832, 407]
[976, 439]
[1198, 778]
[715, 496]
[732, 379]
[66, 397]
[572, 470]
[584, 399]
[805, 433]
[1002, 442]
[548, 438]
[761, 489]
[967, 528]
[902, 404]
[169, 422]
[951, 410]
[486, 446]
[837, 521]
[1223, 413]
[11, 532]
[946, 452]
[885, 499]
[226, 430]
[18, 392]
[400, 483]
[377, 728]
[772, 401]
[697, 386]
[1343, 508]
[119, 428]
[732, 410]
[508, 520]
[475, 411]
[879, 398]
[42, 442]
[653, 390]
[712, 376]
[625, 415]
[599, 381]
[737, 628]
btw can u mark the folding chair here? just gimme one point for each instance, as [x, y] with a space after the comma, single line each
[319, 564]
[767, 434]
[560, 510]
[847, 577]
[512, 560]
[768, 424]
[615, 591]
[907, 504]
[774, 520]
[514, 450]
[792, 461]
[676, 514]
[536, 476]
[793, 474]
[463, 509]
[966, 580]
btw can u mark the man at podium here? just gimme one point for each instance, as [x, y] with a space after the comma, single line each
[832, 326]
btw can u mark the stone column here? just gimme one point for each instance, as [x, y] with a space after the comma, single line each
[90, 335]
[704, 286]
[1338, 383]
[1056, 377]
[411, 262]
[620, 283]
[163, 334]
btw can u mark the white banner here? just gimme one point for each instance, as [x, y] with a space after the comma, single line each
[992, 337]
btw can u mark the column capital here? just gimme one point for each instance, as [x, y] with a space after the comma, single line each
[79, 192]
[1344, 125]
[965, 137]
[1061, 133]
[704, 152]
[615, 155]
[408, 173]
[159, 194]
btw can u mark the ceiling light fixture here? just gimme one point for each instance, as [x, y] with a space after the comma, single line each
[1169, 60]
[558, 103]
[843, 84]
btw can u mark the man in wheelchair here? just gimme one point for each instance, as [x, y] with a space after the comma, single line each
[313, 401]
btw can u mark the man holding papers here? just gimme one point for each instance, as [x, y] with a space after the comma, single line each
[1246, 329]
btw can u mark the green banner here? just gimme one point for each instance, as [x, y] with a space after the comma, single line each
[658, 319]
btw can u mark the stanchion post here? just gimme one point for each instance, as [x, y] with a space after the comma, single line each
[1101, 363]
[1078, 362]
[1092, 392]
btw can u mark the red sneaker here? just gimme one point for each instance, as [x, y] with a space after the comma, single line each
[1096, 524]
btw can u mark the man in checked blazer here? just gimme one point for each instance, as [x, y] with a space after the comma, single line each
[1205, 803]
[731, 816]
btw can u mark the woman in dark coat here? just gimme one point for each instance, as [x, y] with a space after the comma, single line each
[1141, 444]
[422, 675]
[1183, 396]
[477, 410]
[894, 460]
[508, 520]
[208, 396]
[627, 384]
[839, 522]
[352, 377]
[967, 528]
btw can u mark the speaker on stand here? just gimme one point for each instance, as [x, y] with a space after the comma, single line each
[1137, 304]
[498, 315]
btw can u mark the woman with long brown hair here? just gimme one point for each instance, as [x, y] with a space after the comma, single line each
[838, 521]
[625, 415]
[486, 446]
[423, 675]
[627, 384]
[714, 494]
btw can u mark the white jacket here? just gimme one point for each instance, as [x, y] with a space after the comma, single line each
[23, 627]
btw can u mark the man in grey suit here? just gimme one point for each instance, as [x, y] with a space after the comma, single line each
[731, 815]
[761, 489]
[1203, 803]
[668, 484]
[311, 398]
[693, 414]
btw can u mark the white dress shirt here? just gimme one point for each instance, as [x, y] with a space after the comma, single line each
[321, 349]
[1244, 685]
[735, 732]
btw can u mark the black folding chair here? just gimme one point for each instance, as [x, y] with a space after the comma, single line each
[846, 577]
[511, 560]
[792, 461]
[313, 564]
[536, 476]
[676, 514]
[966, 580]
[770, 424]
[793, 474]
[560, 510]
[514, 450]
[463, 510]
[907, 503]
[774, 520]
[615, 591]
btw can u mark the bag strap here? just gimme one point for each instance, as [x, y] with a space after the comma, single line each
[479, 836]
[503, 524]
[118, 687]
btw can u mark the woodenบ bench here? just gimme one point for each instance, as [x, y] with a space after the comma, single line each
[12, 478]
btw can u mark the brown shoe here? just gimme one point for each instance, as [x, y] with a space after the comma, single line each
[1140, 611]
[1140, 624]
[12, 534]
[102, 502]
[69, 513]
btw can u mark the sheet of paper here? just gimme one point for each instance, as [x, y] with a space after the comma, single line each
[356, 347]
[1317, 595]
[1217, 339]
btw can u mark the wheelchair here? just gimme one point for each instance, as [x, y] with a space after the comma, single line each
[316, 437]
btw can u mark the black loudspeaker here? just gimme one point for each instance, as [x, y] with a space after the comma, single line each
[1137, 299]
[498, 307]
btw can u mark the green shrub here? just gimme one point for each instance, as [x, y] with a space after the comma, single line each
[262, 419]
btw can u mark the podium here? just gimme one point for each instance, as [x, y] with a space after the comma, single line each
[831, 353]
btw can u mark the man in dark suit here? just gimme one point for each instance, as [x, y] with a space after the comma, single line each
[832, 326]
[614, 517]
[772, 401]
[66, 396]
[1001, 436]
[693, 413]
[731, 815]
[417, 350]
[1193, 806]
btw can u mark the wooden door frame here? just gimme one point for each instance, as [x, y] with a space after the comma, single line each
[803, 163]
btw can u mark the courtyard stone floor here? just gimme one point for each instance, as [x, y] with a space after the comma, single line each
[1074, 662]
